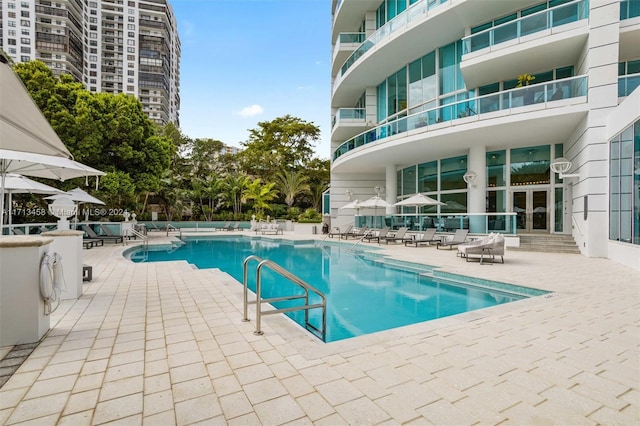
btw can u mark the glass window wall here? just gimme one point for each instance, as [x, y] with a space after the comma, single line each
[624, 191]
[496, 168]
[428, 177]
[530, 166]
[409, 180]
[451, 172]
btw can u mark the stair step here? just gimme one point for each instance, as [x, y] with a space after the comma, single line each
[554, 243]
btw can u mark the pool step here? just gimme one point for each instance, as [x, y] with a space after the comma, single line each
[407, 266]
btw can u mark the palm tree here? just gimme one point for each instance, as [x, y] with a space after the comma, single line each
[207, 190]
[233, 188]
[292, 184]
[260, 194]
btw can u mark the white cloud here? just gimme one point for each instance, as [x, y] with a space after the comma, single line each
[250, 111]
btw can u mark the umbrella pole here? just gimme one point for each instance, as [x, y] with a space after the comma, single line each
[10, 209]
[2, 179]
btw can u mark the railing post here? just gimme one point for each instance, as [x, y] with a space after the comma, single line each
[258, 331]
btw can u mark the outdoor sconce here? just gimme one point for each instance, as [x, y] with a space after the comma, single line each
[378, 189]
[349, 193]
[470, 177]
[561, 166]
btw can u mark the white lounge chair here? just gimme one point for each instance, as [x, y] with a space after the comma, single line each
[458, 238]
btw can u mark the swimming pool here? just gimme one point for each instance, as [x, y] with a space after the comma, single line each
[365, 291]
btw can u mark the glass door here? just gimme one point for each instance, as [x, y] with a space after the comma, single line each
[532, 210]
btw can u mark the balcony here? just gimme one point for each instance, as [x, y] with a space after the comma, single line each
[628, 84]
[416, 12]
[348, 122]
[347, 43]
[542, 40]
[543, 96]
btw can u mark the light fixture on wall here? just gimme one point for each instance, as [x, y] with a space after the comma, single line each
[470, 177]
[349, 194]
[561, 166]
[378, 189]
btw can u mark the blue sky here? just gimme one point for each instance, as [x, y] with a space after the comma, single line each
[246, 61]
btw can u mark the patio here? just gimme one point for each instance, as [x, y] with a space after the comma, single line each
[163, 343]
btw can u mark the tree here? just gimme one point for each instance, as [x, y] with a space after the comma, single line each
[285, 143]
[106, 131]
[292, 184]
[233, 189]
[207, 191]
[260, 194]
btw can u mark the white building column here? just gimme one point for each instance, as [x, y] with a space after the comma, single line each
[391, 185]
[476, 196]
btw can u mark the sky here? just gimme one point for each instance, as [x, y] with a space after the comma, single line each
[247, 61]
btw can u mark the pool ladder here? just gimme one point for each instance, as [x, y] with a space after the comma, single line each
[319, 331]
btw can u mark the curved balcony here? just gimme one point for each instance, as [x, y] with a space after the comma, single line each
[414, 13]
[347, 43]
[537, 41]
[423, 27]
[348, 122]
[543, 96]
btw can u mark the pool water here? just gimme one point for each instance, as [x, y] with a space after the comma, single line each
[365, 292]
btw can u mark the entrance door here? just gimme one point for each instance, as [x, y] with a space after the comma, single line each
[532, 210]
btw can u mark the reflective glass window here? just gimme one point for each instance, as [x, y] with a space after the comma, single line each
[428, 177]
[530, 166]
[496, 168]
[409, 180]
[451, 172]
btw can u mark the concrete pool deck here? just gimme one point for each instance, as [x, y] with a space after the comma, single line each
[163, 343]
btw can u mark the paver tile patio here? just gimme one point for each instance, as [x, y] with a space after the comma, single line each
[164, 344]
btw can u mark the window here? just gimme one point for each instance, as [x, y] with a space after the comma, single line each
[530, 166]
[624, 191]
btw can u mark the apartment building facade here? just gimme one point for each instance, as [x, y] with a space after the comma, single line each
[520, 116]
[113, 46]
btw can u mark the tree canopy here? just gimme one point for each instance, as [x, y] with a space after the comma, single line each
[148, 165]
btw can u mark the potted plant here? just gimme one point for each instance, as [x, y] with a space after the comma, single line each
[525, 80]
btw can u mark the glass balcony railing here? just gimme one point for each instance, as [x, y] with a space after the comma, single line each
[530, 95]
[629, 9]
[351, 37]
[627, 84]
[539, 21]
[413, 13]
[349, 114]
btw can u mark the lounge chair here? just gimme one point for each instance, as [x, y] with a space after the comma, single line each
[17, 231]
[234, 227]
[357, 232]
[399, 236]
[427, 237]
[108, 232]
[92, 235]
[377, 236]
[340, 231]
[458, 238]
[490, 246]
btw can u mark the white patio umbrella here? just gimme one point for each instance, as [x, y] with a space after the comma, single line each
[419, 200]
[355, 204]
[375, 202]
[28, 144]
[18, 184]
[80, 196]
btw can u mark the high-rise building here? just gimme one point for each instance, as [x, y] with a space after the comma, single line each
[521, 116]
[111, 46]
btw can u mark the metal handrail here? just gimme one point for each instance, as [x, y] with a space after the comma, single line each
[144, 238]
[295, 280]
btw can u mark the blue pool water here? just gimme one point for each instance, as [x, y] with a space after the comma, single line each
[365, 292]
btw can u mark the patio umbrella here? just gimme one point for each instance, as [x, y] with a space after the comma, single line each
[80, 197]
[355, 204]
[28, 144]
[375, 202]
[419, 200]
[18, 184]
